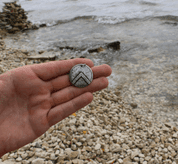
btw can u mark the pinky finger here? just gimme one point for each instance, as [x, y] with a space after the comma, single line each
[62, 111]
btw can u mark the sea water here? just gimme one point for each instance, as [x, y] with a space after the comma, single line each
[103, 11]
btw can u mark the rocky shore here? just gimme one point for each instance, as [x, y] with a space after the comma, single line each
[110, 130]
[107, 131]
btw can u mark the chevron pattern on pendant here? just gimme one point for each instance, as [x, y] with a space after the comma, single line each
[81, 76]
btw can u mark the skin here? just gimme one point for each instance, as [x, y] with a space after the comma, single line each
[35, 97]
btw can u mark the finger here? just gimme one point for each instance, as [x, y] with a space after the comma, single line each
[72, 92]
[101, 71]
[53, 69]
[60, 112]
[63, 81]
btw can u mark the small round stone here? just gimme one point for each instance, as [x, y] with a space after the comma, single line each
[81, 75]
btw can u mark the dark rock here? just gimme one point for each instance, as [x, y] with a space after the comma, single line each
[40, 52]
[133, 105]
[38, 145]
[171, 23]
[67, 47]
[114, 45]
[13, 30]
[35, 27]
[43, 25]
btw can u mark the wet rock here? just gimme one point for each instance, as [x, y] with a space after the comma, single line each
[82, 56]
[67, 48]
[114, 45]
[43, 25]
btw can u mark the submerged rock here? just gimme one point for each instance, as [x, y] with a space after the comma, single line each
[114, 45]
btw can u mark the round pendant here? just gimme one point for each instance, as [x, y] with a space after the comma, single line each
[81, 75]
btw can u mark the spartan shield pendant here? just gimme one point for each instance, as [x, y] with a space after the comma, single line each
[81, 75]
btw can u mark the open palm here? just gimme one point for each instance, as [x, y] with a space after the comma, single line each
[35, 97]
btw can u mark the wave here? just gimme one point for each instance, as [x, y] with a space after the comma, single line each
[101, 20]
[104, 20]
[50, 23]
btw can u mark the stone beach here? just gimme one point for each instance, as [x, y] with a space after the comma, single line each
[110, 130]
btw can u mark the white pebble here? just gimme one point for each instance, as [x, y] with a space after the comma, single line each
[38, 161]
[98, 146]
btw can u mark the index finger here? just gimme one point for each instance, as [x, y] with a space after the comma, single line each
[53, 69]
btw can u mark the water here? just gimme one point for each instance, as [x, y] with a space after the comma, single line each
[104, 11]
[145, 69]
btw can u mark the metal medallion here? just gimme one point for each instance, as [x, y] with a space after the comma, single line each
[81, 75]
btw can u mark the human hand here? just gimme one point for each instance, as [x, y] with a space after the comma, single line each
[35, 97]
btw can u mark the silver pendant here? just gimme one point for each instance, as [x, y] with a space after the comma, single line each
[81, 75]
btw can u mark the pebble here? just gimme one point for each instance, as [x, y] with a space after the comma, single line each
[134, 154]
[97, 147]
[122, 120]
[38, 161]
[52, 156]
[73, 154]
[18, 159]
